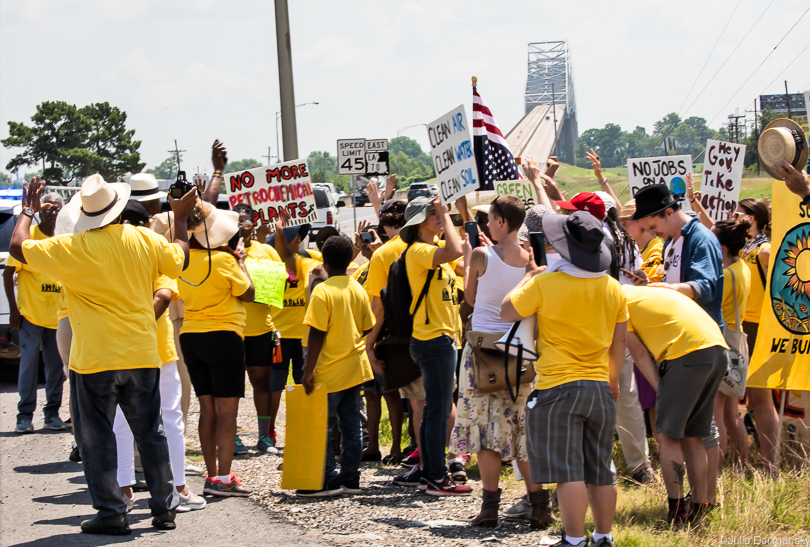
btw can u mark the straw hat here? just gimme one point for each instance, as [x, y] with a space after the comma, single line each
[628, 210]
[782, 139]
[145, 187]
[97, 204]
[220, 226]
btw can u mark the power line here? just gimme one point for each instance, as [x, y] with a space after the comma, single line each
[730, 55]
[709, 57]
[785, 70]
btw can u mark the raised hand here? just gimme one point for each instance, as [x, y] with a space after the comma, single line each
[552, 164]
[33, 194]
[597, 165]
[219, 156]
[390, 187]
[373, 194]
[531, 168]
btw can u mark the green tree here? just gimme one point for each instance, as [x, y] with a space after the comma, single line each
[74, 142]
[167, 168]
[242, 165]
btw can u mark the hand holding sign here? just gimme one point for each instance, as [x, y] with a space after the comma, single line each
[453, 158]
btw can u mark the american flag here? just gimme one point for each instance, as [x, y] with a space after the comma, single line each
[492, 155]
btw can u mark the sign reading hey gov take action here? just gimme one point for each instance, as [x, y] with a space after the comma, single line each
[362, 157]
[722, 176]
[453, 158]
[268, 189]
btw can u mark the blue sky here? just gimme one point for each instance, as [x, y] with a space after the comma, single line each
[199, 70]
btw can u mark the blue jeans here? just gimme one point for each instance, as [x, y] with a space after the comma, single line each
[137, 392]
[437, 360]
[32, 337]
[345, 405]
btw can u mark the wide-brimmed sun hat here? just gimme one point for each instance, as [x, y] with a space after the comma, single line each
[579, 238]
[218, 227]
[97, 204]
[782, 139]
[145, 187]
[628, 210]
[415, 214]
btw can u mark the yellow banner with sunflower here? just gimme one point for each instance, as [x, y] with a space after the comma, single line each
[781, 359]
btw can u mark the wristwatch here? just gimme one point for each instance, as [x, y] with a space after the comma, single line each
[27, 211]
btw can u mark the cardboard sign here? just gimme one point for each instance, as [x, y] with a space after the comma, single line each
[351, 158]
[267, 189]
[669, 170]
[722, 176]
[521, 189]
[268, 278]
[453, 158]
[781, 358]
[305, 445]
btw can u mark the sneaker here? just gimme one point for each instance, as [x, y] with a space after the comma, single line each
[191, 469]
[564, 543]
[208, 487]
[328, 490]
[604, 542]
[192, 502]
[75, 455]
[411, 478]
[457, 472]
[412, 460]
[130, 502]
[140, 486]
[521, 510]
[24, 426]
[55, 424]
[446, 487]
[111, 526]
[139, 469]
[239, 448]
[266, 446]
[643, 476]
[422, 484]
[165, 521]
[232, 488]
[351, 487]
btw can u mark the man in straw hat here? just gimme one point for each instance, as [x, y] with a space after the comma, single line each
[109, 269]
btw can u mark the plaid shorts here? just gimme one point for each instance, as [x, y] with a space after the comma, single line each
[569, 433]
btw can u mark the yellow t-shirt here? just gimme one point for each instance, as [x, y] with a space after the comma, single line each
[361, 274]
[37, 293]
[441, 303]
[61, 310]
[259, 317]
[165, 329]
[290, 319]
[380, 264]
[110, 272]
[576, 319]
[315, 255]
[341, 308]
[742, 279]
[652, 260]
[757, 293]
[214, 305]
[669, 323]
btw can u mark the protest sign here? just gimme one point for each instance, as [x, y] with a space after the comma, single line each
[453, 158]
[305, 443]
[669, 170]
[267, 189]
[722, 176]
[268, 278]
[521, 189]
[781, 358]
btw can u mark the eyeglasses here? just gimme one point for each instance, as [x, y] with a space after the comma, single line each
[246, 225]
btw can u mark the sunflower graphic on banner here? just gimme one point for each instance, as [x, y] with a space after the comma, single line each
[781, 359]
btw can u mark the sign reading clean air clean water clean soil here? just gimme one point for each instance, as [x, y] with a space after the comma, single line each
[453, 158]
[268, 189]
[722, 175]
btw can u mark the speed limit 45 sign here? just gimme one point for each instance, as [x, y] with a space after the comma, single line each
[351, 157]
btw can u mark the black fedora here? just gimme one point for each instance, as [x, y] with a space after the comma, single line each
[579, 239]
[653, 199]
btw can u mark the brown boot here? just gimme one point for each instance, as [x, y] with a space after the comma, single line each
[541, 510]
[488, 517]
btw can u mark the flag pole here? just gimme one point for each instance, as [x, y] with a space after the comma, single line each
[477, 192]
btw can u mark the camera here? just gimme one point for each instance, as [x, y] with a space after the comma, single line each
[181, 186]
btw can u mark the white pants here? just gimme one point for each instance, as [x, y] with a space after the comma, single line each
[630, 419]
[170, 391]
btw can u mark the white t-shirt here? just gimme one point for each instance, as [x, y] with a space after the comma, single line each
[672, 261]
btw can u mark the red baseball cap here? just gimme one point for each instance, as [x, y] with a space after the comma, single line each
[585, 201]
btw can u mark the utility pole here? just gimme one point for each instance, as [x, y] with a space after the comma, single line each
[756, 133]
[554, 109]
[285, 79]
[787, 98]
[176, 153]
[268, 156]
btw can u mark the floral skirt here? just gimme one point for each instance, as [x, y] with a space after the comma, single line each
[488, 421]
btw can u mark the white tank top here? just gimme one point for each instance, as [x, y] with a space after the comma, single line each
[499, 279]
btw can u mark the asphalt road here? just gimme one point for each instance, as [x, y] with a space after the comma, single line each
[44, 498]
[346, 217]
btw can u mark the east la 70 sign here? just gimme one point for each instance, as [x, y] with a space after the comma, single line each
[362, 157]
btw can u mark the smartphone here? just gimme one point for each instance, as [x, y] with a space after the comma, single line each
[472, 230]
[538, 243]
[366, 237]
[633, 276]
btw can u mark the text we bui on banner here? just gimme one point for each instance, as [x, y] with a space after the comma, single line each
[268, 189]
[722, 177]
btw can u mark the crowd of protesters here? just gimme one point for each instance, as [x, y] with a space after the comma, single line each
[627, 313]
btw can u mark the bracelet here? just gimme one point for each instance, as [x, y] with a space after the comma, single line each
[217, 174]
[603, 181]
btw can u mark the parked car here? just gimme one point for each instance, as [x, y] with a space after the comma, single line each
[326, 210]
[9, 343]
[418, 189]
[330, 187]
[434, 190]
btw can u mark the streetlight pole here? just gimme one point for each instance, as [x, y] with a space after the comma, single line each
[285, 79]
[401, 131]
[278, 116]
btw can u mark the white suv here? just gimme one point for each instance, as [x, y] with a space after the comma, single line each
[326, 210]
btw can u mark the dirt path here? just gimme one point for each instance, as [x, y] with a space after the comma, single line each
[44, 498]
